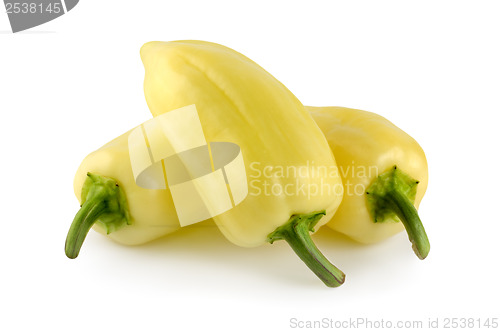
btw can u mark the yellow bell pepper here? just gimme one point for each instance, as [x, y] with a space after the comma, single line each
[290, 168]
[384, 173]
[111, 200]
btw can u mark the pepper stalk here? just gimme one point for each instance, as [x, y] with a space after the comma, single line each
[103, 202]
[296, 233]
[392, 194]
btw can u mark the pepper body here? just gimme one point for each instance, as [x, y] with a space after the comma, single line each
[369, 148]
[240, 102]
[151, 212]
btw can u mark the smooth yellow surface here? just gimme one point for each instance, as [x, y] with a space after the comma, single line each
[152, 211]
[240, 102]
[366, 144]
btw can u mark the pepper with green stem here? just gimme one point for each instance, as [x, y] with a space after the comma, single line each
[384, 173]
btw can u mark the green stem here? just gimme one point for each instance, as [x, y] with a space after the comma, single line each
[83, 222]
[296, 233]
[392, 195]
[408, 215]
[103, 202]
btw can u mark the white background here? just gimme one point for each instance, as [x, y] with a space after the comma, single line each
[69, 86]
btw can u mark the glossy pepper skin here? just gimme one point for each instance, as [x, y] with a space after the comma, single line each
[384, 173]
[113, 204]
[240, 102]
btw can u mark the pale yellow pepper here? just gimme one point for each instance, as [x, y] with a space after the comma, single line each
[240, 102]
[114, 205]
[384, 173]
